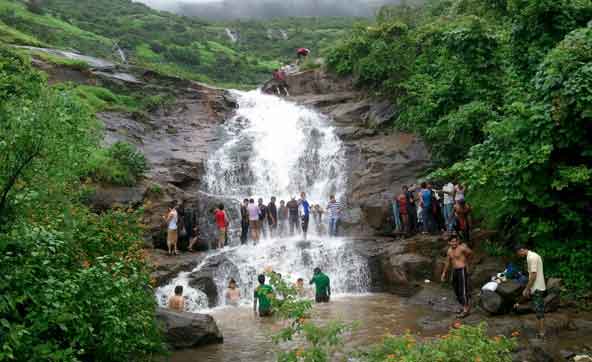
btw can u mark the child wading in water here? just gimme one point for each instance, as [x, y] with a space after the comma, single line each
[232, 294]
[263, 294]
[177, 302]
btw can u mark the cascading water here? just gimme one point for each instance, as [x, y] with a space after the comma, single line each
[273, 147]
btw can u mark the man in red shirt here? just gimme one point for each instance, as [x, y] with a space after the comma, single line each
[222, 224]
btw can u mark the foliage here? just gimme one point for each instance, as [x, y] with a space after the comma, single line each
[500, 90]
[191, 48]
[120, 164]
[314, 343]
[44, 138]
[464, 344]
[74, 286]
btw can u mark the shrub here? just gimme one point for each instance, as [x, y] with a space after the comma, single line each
[121, 164]
[460, 345]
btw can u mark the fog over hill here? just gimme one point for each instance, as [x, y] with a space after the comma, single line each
[233, 9]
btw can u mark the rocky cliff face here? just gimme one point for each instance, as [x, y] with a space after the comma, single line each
[381, 161]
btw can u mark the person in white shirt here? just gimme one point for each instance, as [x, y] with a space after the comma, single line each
[536, 288]
[254, 224]
[171, 219]
[448, 210]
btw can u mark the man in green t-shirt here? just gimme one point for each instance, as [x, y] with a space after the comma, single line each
[322, 286]
[263, 294]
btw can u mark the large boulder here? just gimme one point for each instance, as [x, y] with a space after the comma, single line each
[188, 330]
[491, 302]
[217, 267]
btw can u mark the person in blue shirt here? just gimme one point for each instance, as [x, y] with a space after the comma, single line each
[305, 206]
[427, 214]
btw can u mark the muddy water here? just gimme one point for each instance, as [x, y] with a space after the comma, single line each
[247, 338]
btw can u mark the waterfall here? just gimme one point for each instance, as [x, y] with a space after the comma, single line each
[273, 147]
[231, 35]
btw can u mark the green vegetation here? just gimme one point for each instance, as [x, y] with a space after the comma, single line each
[121, 164]
[74, 286]
[501, 91]
[189, 48]
[322, 343]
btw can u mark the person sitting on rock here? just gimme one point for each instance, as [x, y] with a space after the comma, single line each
[322, 286]
[232, 294]
[263, 295]
[459, 256]
[177, 301]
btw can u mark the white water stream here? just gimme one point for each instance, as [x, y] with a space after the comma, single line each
[273, 147]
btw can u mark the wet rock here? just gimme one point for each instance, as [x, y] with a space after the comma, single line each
[205, 279]
[510, 290]
[206, 204]
[482, 272]
[491, 302]
[554, 283]
[567, 354]
[186, 330]
[168, 267]
[582, 358]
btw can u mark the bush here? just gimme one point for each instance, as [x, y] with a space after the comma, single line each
[461, 345]
[62, 301]
[121, 164]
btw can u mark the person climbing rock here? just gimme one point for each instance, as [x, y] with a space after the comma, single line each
[282, 219]
[244, 221]
[294, 216]
[334, 211]
[302, 53]
[177, 301]
[254, 220]
[535, 289]
[305, 206]
[272, 217]
[222, 224]
[322, 286]
[232, 294]
[459, 255]
[263, 295]
[171, 219]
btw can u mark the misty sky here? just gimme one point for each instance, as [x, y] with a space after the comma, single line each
[231, 9]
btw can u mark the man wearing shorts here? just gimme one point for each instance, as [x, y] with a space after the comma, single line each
[536, 289]
[222, 224]
[171, 220]
[253, 211]
[459, 256]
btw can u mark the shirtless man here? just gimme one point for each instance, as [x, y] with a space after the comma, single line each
[177, 302]
[459, 255]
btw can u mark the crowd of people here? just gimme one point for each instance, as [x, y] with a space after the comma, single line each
[264, 294]
[428, 210]
[287, 219]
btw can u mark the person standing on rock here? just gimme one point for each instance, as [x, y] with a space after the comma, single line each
[462, 213]
[536, 288]
[294, 216]
[244, 221]
[401, 201]
[322, 286]
[263, 295]
[171, 220]
[282, 219]
[305, 213]
[334, 210]
[263, 225]
[222, 224]
[253, 220]
[272, 216]
[426, 197]
[448, 209]
[177, 301]
[411, 209]
[459, 255]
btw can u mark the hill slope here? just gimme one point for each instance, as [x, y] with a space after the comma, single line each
[237, 53]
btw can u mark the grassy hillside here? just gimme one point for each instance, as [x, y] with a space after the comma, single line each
[187, 47]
